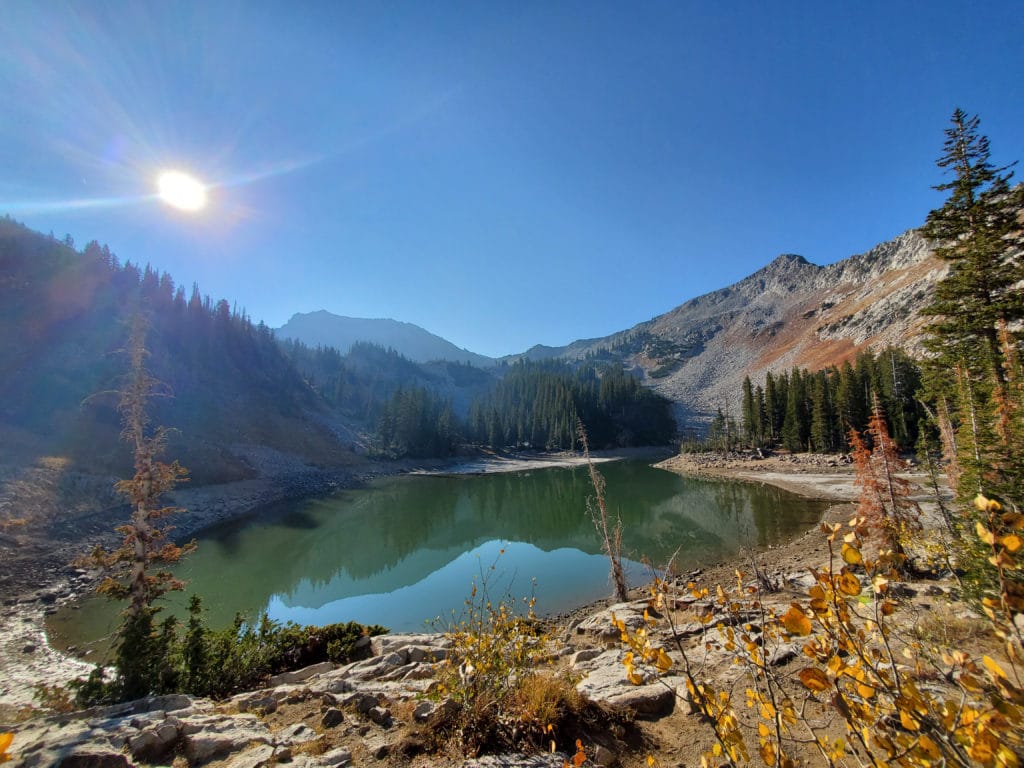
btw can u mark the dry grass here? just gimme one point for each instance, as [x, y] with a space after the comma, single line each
[542, 711]
[313, 748]
[947, 630]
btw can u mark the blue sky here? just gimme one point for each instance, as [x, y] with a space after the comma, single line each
[502, 174]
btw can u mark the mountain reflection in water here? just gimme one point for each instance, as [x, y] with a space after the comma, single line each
[405, 550]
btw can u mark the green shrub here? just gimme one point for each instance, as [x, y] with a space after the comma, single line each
[219, 663]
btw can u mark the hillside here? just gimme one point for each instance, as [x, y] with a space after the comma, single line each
[329, 330]
[790, 313]
[64, 316]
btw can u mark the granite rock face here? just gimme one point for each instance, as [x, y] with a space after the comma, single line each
[791, 312]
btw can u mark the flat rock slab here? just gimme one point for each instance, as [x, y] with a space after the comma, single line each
[606, 683]
[204, 746]
[553, 760]
[300, 675]
[601, 627]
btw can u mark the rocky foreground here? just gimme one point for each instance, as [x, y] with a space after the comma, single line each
[361, 713]
[377, 711]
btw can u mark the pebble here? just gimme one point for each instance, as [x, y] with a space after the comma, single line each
[332, 718]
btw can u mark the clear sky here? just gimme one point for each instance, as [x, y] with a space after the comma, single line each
[500, 173]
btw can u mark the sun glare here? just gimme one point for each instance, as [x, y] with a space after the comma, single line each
[181, 191]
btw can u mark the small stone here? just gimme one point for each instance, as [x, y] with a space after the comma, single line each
[424, 710]
[261, 756]
[171, 702]
[145, 745]
[339, 757]
[425, 653]
[358, 701]
[332, 718]
[380, 716]
[645, 701]
[257, 701]
[378, 745]
[604, 757]
[783, 654]
[291, 694]
[587, 654]
[29, 648]
[299, 733]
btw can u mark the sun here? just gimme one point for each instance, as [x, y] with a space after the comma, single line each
[181, 191]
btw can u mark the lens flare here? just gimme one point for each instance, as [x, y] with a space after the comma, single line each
[181, 191]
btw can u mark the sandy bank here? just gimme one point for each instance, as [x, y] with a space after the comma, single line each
[524, 462]
[819, 477]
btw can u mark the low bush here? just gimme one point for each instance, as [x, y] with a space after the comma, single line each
[504, 695]
[219, 663]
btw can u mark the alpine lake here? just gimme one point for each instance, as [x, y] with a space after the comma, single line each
[406, 551]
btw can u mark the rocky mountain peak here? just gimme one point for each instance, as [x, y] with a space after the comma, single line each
[790, 312]
[783, 260]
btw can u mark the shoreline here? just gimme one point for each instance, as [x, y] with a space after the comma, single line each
[499, 463]
[810, 475]
[27, 659]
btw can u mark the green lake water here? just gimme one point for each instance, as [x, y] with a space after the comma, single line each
[405, 550]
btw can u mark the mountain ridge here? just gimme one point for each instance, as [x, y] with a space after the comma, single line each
[790, 312]
[324, 328]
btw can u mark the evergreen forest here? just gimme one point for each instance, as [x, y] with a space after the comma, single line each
[803, 411]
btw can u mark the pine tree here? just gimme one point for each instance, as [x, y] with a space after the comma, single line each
[821, 414]
[796, 424]
[774, 405]
[130, 568]
[978, 233]
[751, 421]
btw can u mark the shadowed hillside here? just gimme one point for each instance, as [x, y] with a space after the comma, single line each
[64, 316]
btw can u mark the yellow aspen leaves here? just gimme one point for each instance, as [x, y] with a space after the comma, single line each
[848, 584]
[663, 661]
[908, 721]
[984, 533]
[631, 674]
[993, 668]
[5, 743]
[814, 679]
[1011, 542]
[929, 747]
[851, 554]
[982, 750]
[879, 584]
[863, 689]
[796, 622]
[1013, 520]
[580, 757]
[984, 504]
